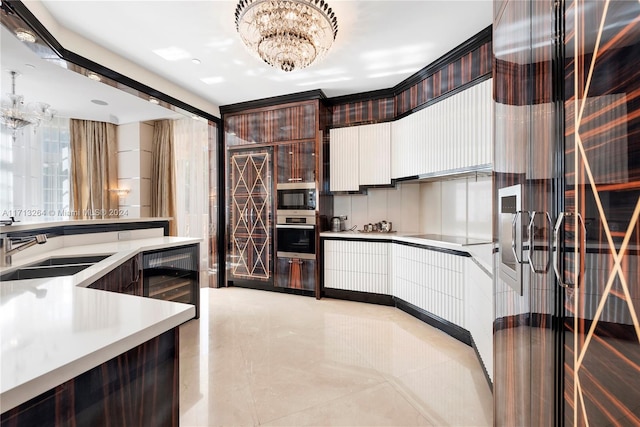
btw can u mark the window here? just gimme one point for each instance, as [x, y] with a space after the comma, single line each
[34, 171]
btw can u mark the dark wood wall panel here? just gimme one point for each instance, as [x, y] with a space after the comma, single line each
[465, 65]
[449, 77]
[272, 124]
[368, 111]
[602, 155]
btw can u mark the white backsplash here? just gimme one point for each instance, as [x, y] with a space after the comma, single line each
[458, 207]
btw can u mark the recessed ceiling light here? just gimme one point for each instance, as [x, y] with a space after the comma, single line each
[154, 101]
[99, 102]
[93, 76]
[25, 35]
[172, 53]
[196, 61]
[212, 80]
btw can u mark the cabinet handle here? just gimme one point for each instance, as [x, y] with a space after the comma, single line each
[532, 247]
[294, 179]
[556, 250]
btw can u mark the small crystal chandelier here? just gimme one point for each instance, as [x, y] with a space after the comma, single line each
[15, 115]
[287, 34]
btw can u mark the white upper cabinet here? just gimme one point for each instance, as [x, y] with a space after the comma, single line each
[343, 159]
[453, 134]
[375, 154]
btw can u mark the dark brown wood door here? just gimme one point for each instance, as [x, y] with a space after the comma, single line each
[602, 194]
[297, 162]
[527, 143]
[296, 273]
[251, 219]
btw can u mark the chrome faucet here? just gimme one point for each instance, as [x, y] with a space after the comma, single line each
[7, 249]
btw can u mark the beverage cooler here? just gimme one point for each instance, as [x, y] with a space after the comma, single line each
[172, 275]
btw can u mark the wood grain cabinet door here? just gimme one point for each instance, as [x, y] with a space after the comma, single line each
[296, 273]
[297, 162]
[124, 279]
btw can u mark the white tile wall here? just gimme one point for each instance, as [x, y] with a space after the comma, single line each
[460, 207]
[454, 207]
[479, 208]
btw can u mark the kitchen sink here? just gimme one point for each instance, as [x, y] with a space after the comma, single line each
[90, 259]
[52, 267]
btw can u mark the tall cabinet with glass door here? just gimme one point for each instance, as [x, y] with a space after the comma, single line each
[567, 187]
[273, 204]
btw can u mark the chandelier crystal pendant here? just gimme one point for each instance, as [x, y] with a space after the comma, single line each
[287, 34]
[16, 115]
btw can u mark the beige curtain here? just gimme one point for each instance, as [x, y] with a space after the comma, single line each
[163, 178]
[94, 169]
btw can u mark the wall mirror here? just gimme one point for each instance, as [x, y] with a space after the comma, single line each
[35, 140]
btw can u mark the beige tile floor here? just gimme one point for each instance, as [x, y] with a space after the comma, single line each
[264, 358]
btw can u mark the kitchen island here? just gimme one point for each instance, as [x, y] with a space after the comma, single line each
[75, 354]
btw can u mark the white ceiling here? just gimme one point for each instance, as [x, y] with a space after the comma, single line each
[69, 94]
[379, 43]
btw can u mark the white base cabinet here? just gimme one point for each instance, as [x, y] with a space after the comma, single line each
[451, 287]
[357, 266]
[431, 280]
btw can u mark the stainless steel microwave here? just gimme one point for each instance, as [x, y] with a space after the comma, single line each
[297, 196]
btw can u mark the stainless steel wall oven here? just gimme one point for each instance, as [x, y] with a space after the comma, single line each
[296, 234]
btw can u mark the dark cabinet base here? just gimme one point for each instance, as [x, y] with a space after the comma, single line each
[137, 388]
[296, 273]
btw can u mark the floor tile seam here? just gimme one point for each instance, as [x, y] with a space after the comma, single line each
[329, 402]
[426, 415]
[254, 410]
[409, 396]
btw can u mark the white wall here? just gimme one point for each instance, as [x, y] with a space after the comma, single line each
[457, 207]
[134, 168]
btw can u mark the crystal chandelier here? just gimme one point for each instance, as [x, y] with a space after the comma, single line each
[287, 34]
[15, 115]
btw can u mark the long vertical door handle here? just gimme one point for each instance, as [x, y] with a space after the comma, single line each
[532, 246]
[514, 238]
[556, 249]
[583, 249]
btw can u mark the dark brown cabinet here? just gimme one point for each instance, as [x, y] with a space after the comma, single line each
[297, 162]
[124, 279]
[139, 387]
[172, 275]
[296, 273]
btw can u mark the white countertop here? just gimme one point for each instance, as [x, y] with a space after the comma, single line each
[478, 249]
[54, 329]
[448, 242]
[57, 222]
